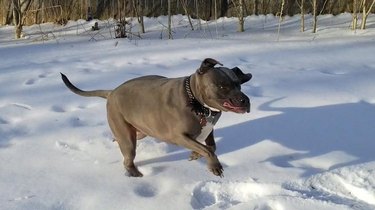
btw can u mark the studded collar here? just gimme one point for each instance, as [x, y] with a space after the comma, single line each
[196, 106]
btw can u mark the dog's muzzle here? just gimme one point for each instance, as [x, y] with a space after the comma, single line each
[240, 104]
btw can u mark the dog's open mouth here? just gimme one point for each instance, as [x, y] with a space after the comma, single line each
[237, 109]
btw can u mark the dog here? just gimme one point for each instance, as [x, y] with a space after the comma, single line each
[180, 111]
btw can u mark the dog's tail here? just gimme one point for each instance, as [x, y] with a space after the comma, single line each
[92, 93]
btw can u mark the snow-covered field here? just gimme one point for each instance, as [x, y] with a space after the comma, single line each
[307, 144]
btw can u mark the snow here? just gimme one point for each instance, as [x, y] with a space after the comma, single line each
[307, 143]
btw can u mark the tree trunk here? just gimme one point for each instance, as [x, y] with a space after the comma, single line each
[20, 7]
[315, 18]
[197, 14]
[223, 8]
[2, 12]
[169, 20]
[140, 16]
[241, 20]
[302, 8]
[184, 5]
[8, 14]
[280, 19]
[17, 18]
[354, 15]
[215, 9]
[43, 15]
[255, 9]
[366, 13]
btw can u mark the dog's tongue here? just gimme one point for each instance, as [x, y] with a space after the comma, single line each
[236, 109]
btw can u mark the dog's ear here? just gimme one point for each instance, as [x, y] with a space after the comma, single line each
[241, 76]
[207, 64]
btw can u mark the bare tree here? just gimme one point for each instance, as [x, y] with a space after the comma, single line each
[19, 9]
[197, 14]
[2, 12]
[45, 10]
[7, 11]
[140, 16]
[315, 18]
[255, 8]
[365, 13]
[280, 18]
[355, 15]
[241, 19]
[187, 13]
[302, 10]
[240, 12]
[215, 9]
[138, 10]
[169, 20]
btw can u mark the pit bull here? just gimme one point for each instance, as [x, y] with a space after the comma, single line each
[180, 111]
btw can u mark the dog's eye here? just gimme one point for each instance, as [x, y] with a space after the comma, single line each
[223, 87]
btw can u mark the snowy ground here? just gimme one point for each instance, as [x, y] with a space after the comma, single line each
[307, 144]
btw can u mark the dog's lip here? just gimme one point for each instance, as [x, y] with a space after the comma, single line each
[233, 108]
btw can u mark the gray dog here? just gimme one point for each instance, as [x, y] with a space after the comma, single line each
[180, 111]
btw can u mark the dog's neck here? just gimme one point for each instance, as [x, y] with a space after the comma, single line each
[200, 109]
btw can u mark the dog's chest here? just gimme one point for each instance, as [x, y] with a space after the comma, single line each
[207, 124]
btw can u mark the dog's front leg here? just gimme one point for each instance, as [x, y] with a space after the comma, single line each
[210, 143]
[213, 163]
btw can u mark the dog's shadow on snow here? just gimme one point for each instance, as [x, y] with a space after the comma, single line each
[344, 128]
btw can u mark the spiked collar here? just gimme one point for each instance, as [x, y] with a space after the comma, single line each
[196, 106]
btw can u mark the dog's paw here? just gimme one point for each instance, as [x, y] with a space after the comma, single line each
[216, 169]
[133, 172]
[194, 156]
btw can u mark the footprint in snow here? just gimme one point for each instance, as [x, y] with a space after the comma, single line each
[61, 109]
[3, 121]
[224, 195]
[66, 146]
[32, 81]
[244, 60]
[57, 108]
[44, 75]
[145, 190]
[77, 122]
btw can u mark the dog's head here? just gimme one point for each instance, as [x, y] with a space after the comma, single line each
[220, 87]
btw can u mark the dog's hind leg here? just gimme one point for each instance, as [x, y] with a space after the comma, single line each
[126, 137]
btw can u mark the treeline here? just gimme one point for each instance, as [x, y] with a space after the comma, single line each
[60, 11]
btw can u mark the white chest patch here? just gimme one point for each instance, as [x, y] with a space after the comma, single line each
[208, 127]
[206, 130]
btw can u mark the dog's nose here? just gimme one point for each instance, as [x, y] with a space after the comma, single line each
[245, 102]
